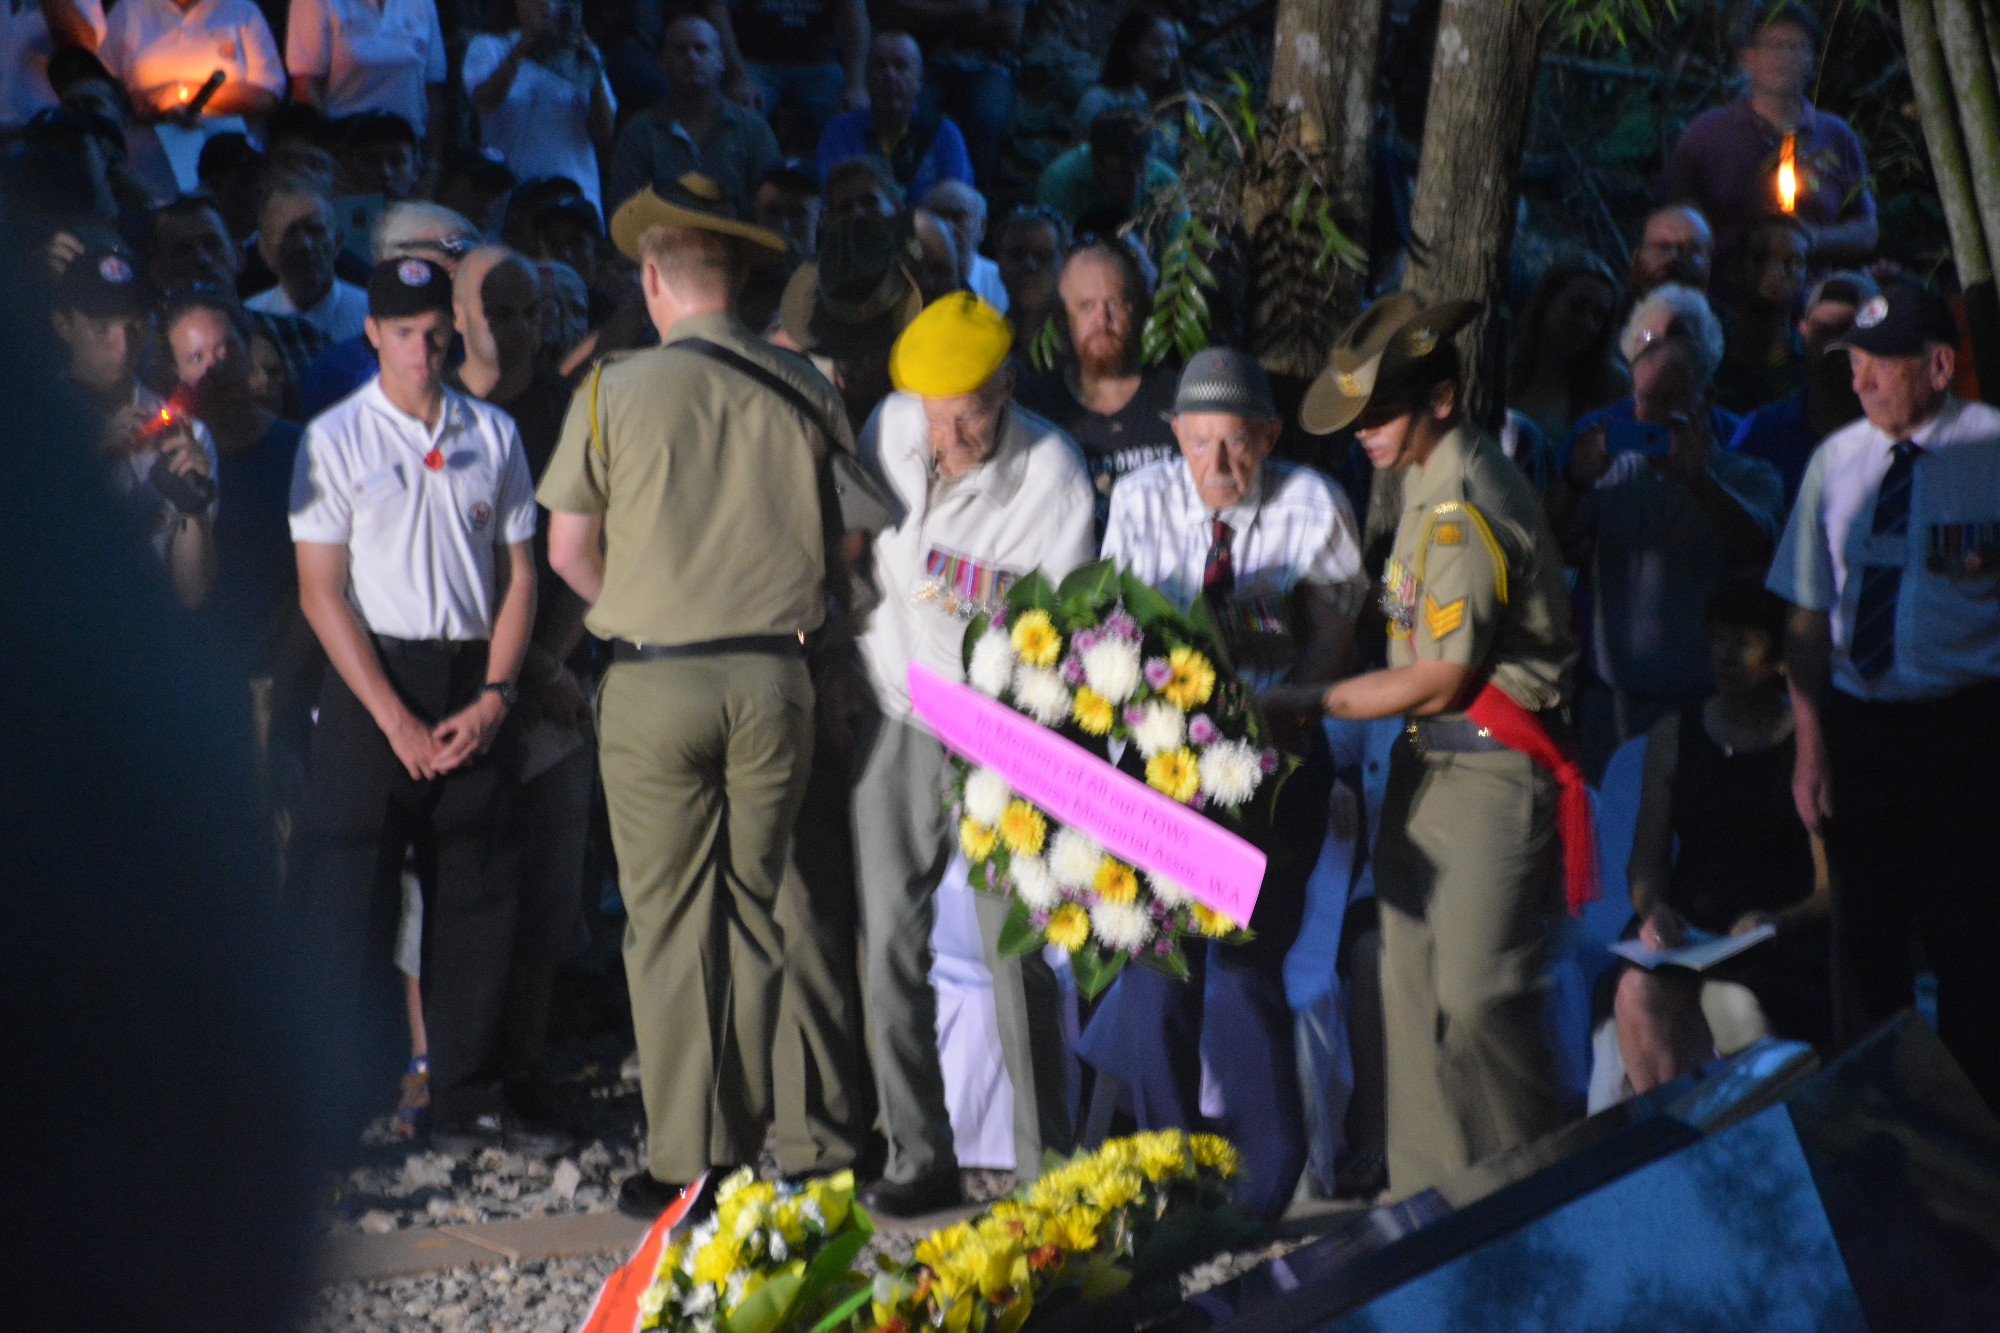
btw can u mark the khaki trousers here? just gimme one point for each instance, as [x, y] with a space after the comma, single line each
[1468, 875]
[903, 840]
[705, 762]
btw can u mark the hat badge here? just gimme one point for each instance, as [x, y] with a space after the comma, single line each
[1421, 341]
[1347, 383]
[413, 272]
[114, 269]
[700, 186]
[1873, 313]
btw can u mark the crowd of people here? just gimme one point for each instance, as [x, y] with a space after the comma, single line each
[571, 432]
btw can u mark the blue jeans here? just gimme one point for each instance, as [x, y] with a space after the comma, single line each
[798, 100]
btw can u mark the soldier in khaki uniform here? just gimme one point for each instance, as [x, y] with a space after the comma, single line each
[690, 506]
[1468, 862]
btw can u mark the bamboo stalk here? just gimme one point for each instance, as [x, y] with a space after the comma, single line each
[1962, 36]
[1945, 142]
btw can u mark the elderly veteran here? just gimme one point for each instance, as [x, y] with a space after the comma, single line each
[988, 492]
[686, 507]
[1272, 549]
[1466, 862]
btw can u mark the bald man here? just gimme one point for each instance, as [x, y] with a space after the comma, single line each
[296, 239]
[496, 308]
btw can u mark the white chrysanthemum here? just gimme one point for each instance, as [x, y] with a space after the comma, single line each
[1112, 668]
[1230, 771]
[986, 796]
[1074, 858]
[992, 663]
[1162, 727]
[1042, 695]
[1034, 882]
[1121, 926]
[1166, 892]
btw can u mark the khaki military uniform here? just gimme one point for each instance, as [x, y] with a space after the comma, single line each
[709, 487]
[1467, 865]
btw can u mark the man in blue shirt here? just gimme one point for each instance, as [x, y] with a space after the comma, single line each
[1785, 433]
[921, 148]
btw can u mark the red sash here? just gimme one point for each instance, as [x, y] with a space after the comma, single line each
[1518, 729]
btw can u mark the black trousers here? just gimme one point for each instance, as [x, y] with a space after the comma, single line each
[1914, 851]
[362, 809]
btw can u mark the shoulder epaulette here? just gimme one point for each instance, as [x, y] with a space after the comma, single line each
[1443, 527]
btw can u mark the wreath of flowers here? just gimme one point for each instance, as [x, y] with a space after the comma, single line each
[1111, 664]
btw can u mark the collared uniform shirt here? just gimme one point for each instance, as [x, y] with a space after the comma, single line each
[958, 547]
[708, 482]
[422, 543]
[1295, 528]
[1475, 577]
[1948, 603]
[25, 47]
[374, 57]
[1655, 560]
[151, 43]
[654, 146]
[338, 315]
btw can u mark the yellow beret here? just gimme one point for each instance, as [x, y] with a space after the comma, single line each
[952, 348]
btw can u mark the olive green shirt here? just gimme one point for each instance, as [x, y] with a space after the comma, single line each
[709, 487]
[1476, 577]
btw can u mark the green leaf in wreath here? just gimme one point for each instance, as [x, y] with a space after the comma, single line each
[1017, 933]
[1093, 971]
[1103, 1279]
[1031, 593]
[1015, 1315]
[1171, 964]
[971, 639]
[1204, 624]
[1094, 582]
[766, 1307]
[841, 1313]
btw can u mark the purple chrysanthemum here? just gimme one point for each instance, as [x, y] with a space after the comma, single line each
[1268, 761]
[1038, 919]
[1084, 640]
[1072, 669]
[1121, 623]
[1134, 716]
[1197, 801]
[1202, 729]
[1158, 672]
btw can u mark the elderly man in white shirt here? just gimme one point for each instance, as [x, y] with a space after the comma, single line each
[296, 239]
[1891, 562]
[988, 493]
[1272, 550]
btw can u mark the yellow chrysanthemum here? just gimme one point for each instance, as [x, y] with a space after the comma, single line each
[1215, 1153]
[1116, 1189]
[1212, 924]
[976, 839]
[934, 1249]
[1174, 772]
[1036, 641]
[1161, 1155]
[1069, 927]
[1074, 1229]
[715, 1261]
[1193, 679]
[1092, 711]
[1114, 882]
[1022, 828]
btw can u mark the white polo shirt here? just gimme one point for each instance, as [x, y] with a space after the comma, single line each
[1296, 527]
[338, 315]
[421, 542]
[1947, 606]
[25, 48]
[958, 548]
[374, 57]
[150, 43]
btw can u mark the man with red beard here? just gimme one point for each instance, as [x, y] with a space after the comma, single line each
[1098, 396]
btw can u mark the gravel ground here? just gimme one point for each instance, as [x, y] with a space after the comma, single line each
[547, 1296]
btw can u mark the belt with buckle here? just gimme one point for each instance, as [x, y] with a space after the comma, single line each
[1449, 735]
[768, 645]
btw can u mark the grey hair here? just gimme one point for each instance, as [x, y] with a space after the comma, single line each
[960, 191]
[406, 228]
[1686, 309]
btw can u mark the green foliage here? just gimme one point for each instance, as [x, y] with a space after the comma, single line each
[1592, 24]
[1046, 346]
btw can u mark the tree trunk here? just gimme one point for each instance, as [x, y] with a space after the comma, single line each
[1945, 141]
[1951, 66]
[1323, 75]
[1462, 219]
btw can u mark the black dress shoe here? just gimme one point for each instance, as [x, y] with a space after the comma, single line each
[645, 1197]
[914, 1199]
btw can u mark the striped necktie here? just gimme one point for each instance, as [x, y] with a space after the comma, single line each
[1218, 572]
[1872, 648]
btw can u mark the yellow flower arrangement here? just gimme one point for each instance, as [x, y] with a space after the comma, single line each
[1022, 828]
[1210, 923]
[1069, 927]
[1192, 682]
[1175, 773]
[1036, 641]
[1092, 711]
[1114, 882]
[977, 840]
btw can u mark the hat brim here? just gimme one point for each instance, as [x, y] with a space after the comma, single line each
[646, 210]
[1353, 377]
[1336, 397]
[806, 322]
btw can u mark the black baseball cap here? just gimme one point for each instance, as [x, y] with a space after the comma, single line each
[399, 288]
[103, 284]
[1902, 320]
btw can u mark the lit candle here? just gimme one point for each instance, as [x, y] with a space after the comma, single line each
[1788, 177]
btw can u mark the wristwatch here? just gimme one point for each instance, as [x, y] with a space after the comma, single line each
[510, 693]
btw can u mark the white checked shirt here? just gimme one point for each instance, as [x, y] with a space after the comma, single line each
[1027, 507]
[374, 57]
[421, 542]
[1295, 528]
[1947, 619]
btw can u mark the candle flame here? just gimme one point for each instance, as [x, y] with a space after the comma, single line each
[184, 92]
[1788, 177]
